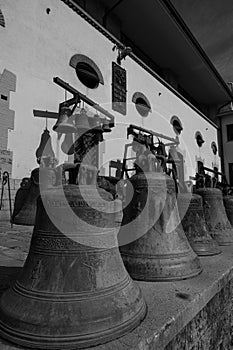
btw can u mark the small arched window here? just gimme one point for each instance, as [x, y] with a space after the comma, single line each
[142, 104]
[214, 147]
[199, 138]
[87, 71]
[177, 125]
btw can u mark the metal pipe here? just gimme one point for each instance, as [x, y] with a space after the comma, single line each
[176, 141]
[44, 114]
[222, 155]
[124, 161]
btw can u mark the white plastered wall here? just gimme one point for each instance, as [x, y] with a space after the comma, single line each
[37, 46]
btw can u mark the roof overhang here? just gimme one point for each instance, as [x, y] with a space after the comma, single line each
[159, 31]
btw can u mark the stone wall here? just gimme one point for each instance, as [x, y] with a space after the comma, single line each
[212, 328]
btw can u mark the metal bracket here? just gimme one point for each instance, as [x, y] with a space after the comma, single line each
[84, 98]
[77, 97]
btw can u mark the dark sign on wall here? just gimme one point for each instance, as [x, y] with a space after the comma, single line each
[118, 88]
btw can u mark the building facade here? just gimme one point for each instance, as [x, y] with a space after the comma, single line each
[44, 39]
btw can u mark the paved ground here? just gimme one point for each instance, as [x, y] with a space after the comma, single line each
[14, 246]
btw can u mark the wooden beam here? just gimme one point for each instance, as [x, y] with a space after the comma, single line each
[44, 114]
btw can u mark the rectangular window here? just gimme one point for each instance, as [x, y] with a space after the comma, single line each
[4, 97]
[230, 132]
[230, 173]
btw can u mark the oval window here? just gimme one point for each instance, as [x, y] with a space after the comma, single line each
[142, 104]
[199, 138]
[214, 148]
[142, 107]
[87, 75]
[177, 125]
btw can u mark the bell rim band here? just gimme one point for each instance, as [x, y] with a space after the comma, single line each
[67, 342]
[72, 296]
[158, 256]
[141, 276]
[204, 249]
[221, 240]
[156, 278]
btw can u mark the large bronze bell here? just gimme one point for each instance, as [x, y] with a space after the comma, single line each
[215, 215]
[86, 140]
[67, 145]
[96, 127]
[24, 212]
[228, 203]
[45, 148]
[64, 125]
[81, 122]
[193, 221]
[74, 291]
[95, 123]
[152, 243]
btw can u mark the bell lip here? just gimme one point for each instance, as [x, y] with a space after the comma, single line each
[207, 252]
[68, 342]
[225, 238]
[139, 277]
[179, 271]
[206, 249]
[224, 243]
[22, 223]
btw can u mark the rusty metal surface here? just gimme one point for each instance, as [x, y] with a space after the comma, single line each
[228, 203]
[163, 253]
[215, 215]
[70, 294]
[193, 221]
[26, 197]
[24, 212]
